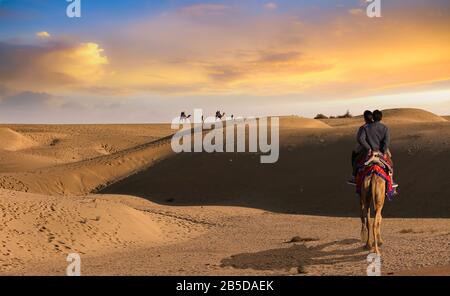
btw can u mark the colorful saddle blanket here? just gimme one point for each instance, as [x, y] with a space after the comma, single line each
[368, 168]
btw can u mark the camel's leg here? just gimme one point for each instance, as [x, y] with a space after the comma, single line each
[364, 230]
[380, 240]
[369, 227]
[365, 205]
[365, 221]
[375, 238]
[375, 223]
[378, 193]
[379, 206]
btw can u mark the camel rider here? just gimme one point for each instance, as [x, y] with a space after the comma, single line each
[376, 137]
[359, 150]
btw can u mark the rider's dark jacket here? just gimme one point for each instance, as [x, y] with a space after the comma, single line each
[375, 137]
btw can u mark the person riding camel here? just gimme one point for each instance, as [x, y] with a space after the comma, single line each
[359, 150]
[376, 138]
[184, 117]
[219, 115]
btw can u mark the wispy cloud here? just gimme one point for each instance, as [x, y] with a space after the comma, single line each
[271, 6]
[25, 99]
[356, 11]
[202, 9]
[43, 34]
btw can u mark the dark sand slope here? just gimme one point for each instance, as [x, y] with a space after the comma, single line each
[309, 177]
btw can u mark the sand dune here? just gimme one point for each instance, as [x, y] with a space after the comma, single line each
[74, 143]
[89, 175]
[14, 141]
[300, 122]
[92, 174]
[409, 115]
[38, 228]
[309, 177]
[119, 195]
[67, 160]
[240, 241]
[391, 116]
[16, 161]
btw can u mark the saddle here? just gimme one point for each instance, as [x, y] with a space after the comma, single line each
[375, 163]
[377, 158]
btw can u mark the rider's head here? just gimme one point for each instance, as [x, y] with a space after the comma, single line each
[377, 115]
[368, 116]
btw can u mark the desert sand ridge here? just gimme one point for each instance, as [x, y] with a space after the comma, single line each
[37, 228]
[301, 122]
[13, 141]
[231, 214]
[407, 115]
[392, 117]
[309, 177]
[88, 175]
[92, 174]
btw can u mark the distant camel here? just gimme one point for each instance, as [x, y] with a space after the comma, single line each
[219, 116]
[184, 117]
[373, 189]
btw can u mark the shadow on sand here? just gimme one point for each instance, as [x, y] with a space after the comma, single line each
[297, 256]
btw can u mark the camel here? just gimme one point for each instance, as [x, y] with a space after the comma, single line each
[219, 116]
[373, 190]
[184, 117]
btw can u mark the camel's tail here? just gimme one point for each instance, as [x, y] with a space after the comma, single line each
[373, 188]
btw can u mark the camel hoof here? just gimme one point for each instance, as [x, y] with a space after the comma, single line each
[367, 247]
[374, 250]
[364, 235]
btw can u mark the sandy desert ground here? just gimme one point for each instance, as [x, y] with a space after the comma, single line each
[119, 196]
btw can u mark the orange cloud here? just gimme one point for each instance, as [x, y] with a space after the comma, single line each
[54, 66]
[279, 54]
[214, 49]
[83, 62]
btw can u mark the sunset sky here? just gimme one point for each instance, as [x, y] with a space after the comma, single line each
[145, 61]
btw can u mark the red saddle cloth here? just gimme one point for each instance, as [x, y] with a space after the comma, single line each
[368, 170]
